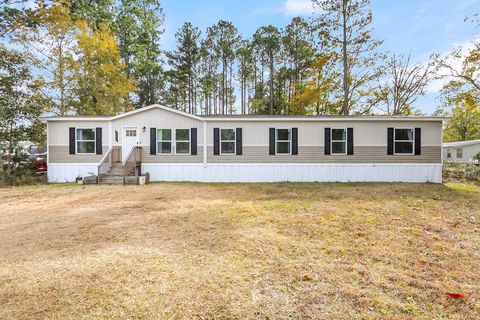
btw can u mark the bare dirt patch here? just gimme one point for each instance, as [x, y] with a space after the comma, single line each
[240, 251]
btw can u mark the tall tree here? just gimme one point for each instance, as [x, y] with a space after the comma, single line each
[50, 31]
[184, 61]
[208, 65]
[347, 24]
[245, 73]
[461, 69]
[465, 119]
[268, 40]
[139, 27]
[299, 52]
[402, 85]
[225, 42]
[100, 84]
[93, 11]
[17, 108]
[314, 95]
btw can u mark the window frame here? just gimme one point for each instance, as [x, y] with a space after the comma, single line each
[344, 141]
[94, 140]
[456, 153]
[172, 142]
[131, 130]
[189, 142]
[234, 142]
[290, 142]
[413, 142]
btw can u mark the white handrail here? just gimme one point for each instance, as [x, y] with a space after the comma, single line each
[129, 154]
[105, 156]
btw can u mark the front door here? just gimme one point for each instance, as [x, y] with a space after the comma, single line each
[129, 140]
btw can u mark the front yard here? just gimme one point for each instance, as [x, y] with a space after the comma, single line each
[240, 251]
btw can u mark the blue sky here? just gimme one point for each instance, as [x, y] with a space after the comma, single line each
[419, 27]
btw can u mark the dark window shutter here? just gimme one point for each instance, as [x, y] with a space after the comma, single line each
[216, 141]
[294, 141]
[98, 140]
[418, 141]
[153, 141]
[193, 145]
[271, 141]
[238, 142]
[350, 141]
[327, 141]
[390, 141]
[71, 140]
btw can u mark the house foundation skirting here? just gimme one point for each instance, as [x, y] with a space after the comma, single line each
[67, 172]
[417, 173]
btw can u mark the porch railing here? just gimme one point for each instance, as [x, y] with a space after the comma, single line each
[105, 163]
[133, 161]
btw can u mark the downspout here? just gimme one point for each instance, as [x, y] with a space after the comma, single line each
[110, 135]
[204, 143]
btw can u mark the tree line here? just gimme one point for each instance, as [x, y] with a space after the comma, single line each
[102, 57]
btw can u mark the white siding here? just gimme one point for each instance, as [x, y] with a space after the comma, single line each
[156, 118]
[366, 133]
[468, 153]
[58, 131]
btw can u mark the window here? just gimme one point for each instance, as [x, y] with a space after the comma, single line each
[116, 136]
[85, 140]
[227, 141]
[164, 141]
[131, 133]
[449, 153]
[459, 153]
[339, 141]
[403, 141]
[182, 141]
[283, 141]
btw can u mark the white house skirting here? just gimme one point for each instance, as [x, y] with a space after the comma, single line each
[67, 172]
[295, 172]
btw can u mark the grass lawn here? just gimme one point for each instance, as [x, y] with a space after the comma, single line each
[240, 251]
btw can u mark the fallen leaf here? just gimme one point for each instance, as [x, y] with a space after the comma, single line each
[455, 295]
[423, 262]
[307, 277]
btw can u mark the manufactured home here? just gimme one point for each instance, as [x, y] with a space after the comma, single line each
[171, 145]
[461, 151]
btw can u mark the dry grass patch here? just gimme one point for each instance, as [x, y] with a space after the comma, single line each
[243, 251]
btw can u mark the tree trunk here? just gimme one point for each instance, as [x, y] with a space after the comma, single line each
[271, 83]
[346, 85]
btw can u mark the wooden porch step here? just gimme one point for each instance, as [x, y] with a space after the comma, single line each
[117, 179]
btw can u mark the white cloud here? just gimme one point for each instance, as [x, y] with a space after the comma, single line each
[298, 7]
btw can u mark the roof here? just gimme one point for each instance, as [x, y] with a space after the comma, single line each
[249, 117]
[460, 144]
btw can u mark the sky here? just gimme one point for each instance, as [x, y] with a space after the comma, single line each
[416, 27]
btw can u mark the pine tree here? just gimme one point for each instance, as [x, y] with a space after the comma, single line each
[139, 27]
[245, 73]
[268, 41]
[184, 61]
[347, 26]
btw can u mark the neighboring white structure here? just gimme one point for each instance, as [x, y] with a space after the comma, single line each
[461, 151]
[175, 146]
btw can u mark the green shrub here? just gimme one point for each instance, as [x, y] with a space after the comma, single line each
[477, 158]
[461, 171]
